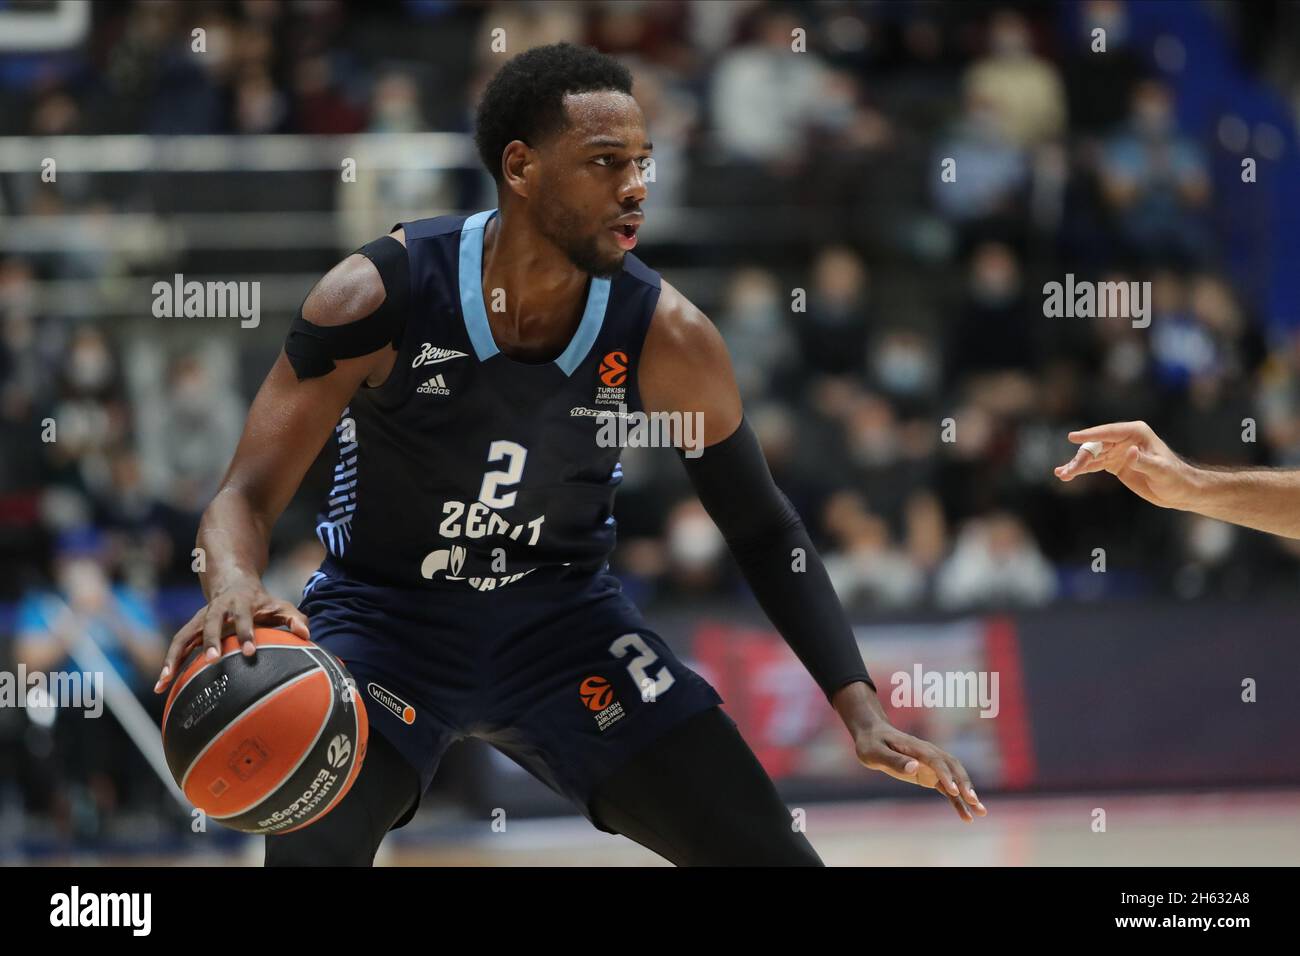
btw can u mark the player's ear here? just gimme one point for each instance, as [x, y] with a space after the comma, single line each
[517, 165]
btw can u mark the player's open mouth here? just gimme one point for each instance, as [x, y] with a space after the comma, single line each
[625, 234]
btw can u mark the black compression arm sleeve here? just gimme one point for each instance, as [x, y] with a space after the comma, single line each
[763, 530]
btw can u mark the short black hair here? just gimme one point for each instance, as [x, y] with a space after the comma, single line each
[525, 100]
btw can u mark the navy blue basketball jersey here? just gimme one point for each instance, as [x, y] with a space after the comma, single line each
[469, 469]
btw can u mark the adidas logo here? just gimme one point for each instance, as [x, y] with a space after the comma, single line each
[434, 386]
[430, 354]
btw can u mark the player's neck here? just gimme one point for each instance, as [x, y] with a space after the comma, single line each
[542, 292]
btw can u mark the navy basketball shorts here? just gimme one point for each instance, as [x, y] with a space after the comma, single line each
[563, 677]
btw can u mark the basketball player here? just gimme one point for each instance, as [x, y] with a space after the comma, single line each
[1261, 498]
[462, 366]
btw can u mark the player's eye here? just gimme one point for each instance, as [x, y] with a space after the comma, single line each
[644, 163]
[606, 160]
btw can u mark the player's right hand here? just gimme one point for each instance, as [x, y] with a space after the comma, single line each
[233, 610]
[1134, 454]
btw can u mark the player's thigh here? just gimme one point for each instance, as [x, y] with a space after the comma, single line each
[349, 835]
[698, 796]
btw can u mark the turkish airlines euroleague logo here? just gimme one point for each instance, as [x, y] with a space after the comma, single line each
[612, 389]
[598, 697]
[596, 693]
[613, 369]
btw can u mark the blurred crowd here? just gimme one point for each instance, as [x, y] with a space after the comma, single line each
[911, 404]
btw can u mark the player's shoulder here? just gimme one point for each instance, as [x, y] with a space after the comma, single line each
[678, 314]
[679, 327]
[353, 289]
[684, 363]
[350, 291]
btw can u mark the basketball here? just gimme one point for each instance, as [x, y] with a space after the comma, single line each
[266, 744]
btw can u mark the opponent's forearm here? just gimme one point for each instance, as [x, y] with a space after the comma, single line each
[1261, 498]
[235, 540]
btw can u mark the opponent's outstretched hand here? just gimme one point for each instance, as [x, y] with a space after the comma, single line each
[1134, 454]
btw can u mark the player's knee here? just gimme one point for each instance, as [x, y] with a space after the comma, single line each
[343, 838]
[350, 834]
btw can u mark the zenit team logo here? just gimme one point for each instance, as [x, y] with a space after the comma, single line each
[391, 702]
[613, 379]
[598, 697]
[431, 354]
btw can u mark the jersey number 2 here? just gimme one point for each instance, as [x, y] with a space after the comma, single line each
[514, 454]
[639, 666]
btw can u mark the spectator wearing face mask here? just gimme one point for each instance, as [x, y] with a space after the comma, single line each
[1023, 91]
[995, 563]
[695, 550]
[92, 765]
[753, 322]
[865, 567]
[998, 324]
[833, 332]
[1100, 85]
[1156, 182]
[89, 417]
[192, 435]
[904, 365]
[85, 603]
[763, 99]
[992, 170]
[1182, 347]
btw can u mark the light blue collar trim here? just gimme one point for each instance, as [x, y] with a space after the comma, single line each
[593, 317]
[476, 321]
[471, 285]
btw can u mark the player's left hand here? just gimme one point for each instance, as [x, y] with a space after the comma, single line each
[885, 748]
[882, 746]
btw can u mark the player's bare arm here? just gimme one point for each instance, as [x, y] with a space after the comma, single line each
[685, 368]
[289, 422]
[1260, 498]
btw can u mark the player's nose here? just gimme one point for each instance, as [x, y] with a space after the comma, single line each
[633, 189]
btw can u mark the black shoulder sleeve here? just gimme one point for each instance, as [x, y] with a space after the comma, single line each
[312, 348]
